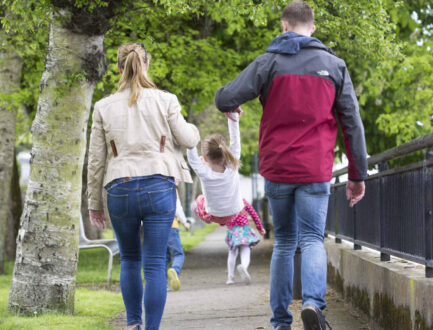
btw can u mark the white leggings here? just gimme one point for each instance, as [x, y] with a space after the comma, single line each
[233, 255]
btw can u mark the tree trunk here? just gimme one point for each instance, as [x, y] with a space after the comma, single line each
[15, 210]
[10, 72]
[47, 243]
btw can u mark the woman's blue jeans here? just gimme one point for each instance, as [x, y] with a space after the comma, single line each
[148, 204]
[299, 217]
[175, 250]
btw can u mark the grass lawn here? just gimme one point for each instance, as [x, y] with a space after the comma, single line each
[95, 306]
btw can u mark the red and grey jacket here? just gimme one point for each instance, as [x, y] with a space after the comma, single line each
[304, 89]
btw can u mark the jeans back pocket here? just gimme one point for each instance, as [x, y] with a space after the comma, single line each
[319, 188]
[117, 204]
[163, 201]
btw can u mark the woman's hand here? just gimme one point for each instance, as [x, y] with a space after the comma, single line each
[97, 218]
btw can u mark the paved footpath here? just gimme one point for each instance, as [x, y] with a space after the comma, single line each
[206, 302]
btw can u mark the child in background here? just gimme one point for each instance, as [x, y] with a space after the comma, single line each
[174, 247]
[217, 170]
[240, 237]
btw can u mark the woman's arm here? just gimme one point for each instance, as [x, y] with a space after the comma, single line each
[235, 138]
[187, 135]
[96, 163]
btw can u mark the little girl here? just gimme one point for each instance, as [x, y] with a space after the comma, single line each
[240, 237]
[217, 170]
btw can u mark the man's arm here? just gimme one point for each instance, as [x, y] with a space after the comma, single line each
[246, 86]
[346, 105]
[347, 108]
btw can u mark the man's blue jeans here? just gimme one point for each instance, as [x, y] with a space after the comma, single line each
[299, 216]
[175, 249]
[149, 203]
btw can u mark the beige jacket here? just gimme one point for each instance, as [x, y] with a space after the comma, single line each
[141, 140]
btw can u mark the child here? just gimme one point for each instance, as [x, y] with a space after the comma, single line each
[217, 170]
[174, 247]
[240, 237]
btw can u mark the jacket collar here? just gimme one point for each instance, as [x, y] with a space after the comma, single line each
[290, 43]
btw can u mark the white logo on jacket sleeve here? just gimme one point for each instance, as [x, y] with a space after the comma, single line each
[323, 73]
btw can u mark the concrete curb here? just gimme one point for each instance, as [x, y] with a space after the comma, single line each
[395, 294]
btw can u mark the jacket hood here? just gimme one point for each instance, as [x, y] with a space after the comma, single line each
[290, 43]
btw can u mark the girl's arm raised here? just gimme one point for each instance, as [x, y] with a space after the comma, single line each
[235, 138]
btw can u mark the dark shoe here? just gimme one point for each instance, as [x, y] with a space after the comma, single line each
[313, 319]
[283, 326]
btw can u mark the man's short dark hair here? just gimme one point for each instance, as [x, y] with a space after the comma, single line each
[298, 12]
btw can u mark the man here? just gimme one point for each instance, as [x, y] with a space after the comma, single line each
[304, 89]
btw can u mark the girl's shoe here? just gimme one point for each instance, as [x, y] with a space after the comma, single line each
[230, 280]
[244, 274]
[174, 279]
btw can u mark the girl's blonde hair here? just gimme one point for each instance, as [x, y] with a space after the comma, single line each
[215, 149]
[132, 59]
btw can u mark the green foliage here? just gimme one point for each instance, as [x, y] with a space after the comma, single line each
[405, 106]
[199, 45]
[24, 28]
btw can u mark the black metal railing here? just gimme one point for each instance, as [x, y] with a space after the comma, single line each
[396, 215]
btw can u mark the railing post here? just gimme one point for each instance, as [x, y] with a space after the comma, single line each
[428, 216]
[187, 199]
[383, 256]
[355, 246]
[337, 239]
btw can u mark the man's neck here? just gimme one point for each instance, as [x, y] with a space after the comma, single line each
[300, 31]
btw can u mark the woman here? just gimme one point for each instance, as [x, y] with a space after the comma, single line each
[137, 134]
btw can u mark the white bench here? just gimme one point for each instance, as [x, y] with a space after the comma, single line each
[109, 244]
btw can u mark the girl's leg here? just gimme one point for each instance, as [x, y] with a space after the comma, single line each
[231, 262]
[245, 256]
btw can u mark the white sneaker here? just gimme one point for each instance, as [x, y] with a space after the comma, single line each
[230, 280]
[244, 274]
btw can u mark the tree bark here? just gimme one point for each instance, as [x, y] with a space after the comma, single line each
[15, 210]
[10, 72]
[47, 243]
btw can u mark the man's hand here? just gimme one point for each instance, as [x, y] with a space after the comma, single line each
[229, 113]
[355, 191]
[97, 218]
